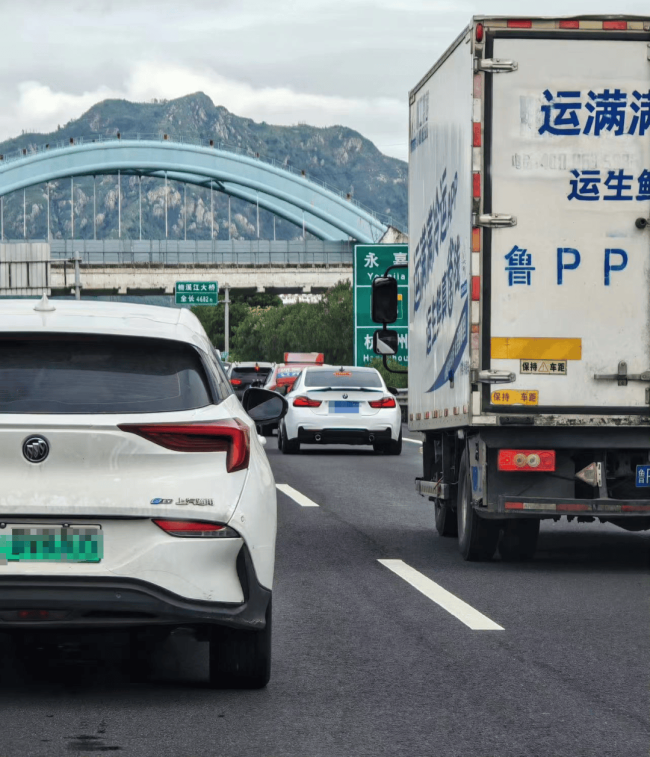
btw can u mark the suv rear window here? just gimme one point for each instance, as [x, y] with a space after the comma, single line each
[248, 375]
[345, 378]
[96, 374]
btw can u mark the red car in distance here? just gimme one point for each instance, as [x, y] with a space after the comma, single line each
[285, 374]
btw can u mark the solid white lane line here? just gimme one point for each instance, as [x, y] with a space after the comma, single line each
[459, 609]
[413, 441]
[296, 495]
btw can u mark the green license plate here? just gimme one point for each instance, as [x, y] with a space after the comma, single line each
[48, 544]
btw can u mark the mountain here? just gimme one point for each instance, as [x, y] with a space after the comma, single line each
[336, 155]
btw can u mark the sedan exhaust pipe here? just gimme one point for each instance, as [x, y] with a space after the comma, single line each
[318, 437]
[371, 438]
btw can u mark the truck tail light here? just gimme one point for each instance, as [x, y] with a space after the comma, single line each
[384, 402]
[306, 402]
[479, 32]
[520, 23]
[230, 435]
[526, 460]
[196, 529]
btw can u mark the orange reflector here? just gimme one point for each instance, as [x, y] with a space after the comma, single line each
[476, 239]
[514, 505]
[572, 508]
[519, 23]
[476, 288]
[526, 460]
[477, 134]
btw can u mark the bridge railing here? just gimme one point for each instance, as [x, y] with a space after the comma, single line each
[25, 152]
[237, 253]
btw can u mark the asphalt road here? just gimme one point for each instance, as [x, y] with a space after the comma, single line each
[364, 663]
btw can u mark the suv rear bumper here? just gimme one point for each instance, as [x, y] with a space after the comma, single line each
[86, 602]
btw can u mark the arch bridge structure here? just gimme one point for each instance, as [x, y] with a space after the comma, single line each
[321, 210]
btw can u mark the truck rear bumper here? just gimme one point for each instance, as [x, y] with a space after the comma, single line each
[513, 507]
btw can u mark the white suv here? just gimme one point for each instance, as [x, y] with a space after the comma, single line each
[135, 491]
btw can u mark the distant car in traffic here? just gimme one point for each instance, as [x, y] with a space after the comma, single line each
[135, 491]
[345, 405]
[244, 375]
[285, 374]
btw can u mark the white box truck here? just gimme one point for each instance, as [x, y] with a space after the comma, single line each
[529, 324]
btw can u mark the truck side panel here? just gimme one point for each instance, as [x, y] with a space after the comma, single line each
[440, 197]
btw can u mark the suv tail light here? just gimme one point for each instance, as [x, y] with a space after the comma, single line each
[526, 460]
[230, 435]
[306, 402]
[383, 402]
[196, 529]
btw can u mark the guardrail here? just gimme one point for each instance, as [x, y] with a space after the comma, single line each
[216, 253]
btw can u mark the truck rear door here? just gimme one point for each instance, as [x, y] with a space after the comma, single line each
[568, 146]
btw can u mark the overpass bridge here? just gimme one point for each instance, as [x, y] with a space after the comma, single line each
[131, 267]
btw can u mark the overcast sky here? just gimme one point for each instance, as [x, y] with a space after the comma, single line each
[324, 62]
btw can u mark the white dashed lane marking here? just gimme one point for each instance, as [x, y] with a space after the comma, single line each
[445, 599]
[295, 495]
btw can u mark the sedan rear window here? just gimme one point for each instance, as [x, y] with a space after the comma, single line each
[96, 374]
[343, 378]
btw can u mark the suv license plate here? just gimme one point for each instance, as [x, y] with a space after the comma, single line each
[52, 544]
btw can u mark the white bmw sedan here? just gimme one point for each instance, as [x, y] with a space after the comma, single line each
[343, 405]
[135, 491]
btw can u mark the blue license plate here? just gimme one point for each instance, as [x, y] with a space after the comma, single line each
[643, 475]
[344, 407]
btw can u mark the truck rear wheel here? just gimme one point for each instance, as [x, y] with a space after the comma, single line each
[446, 519]
[519, 539]
[477, 537]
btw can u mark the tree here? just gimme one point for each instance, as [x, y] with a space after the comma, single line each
[398, 380]
[213, 318]
[325, 326]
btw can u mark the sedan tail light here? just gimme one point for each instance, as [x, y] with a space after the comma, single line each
[235, 382]
[196, 529]
[230, 435]
[526, 460]
[383, 402]
[306, 402]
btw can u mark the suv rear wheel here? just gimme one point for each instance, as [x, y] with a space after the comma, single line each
[240, 659]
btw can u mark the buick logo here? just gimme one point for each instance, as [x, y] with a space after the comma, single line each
[36, 449]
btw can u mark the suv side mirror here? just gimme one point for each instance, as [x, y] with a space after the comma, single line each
[384, 299]
[264, 406]
[385, 342]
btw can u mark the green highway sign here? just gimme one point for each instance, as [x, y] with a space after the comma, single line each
[197, 292]
[370, 261]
